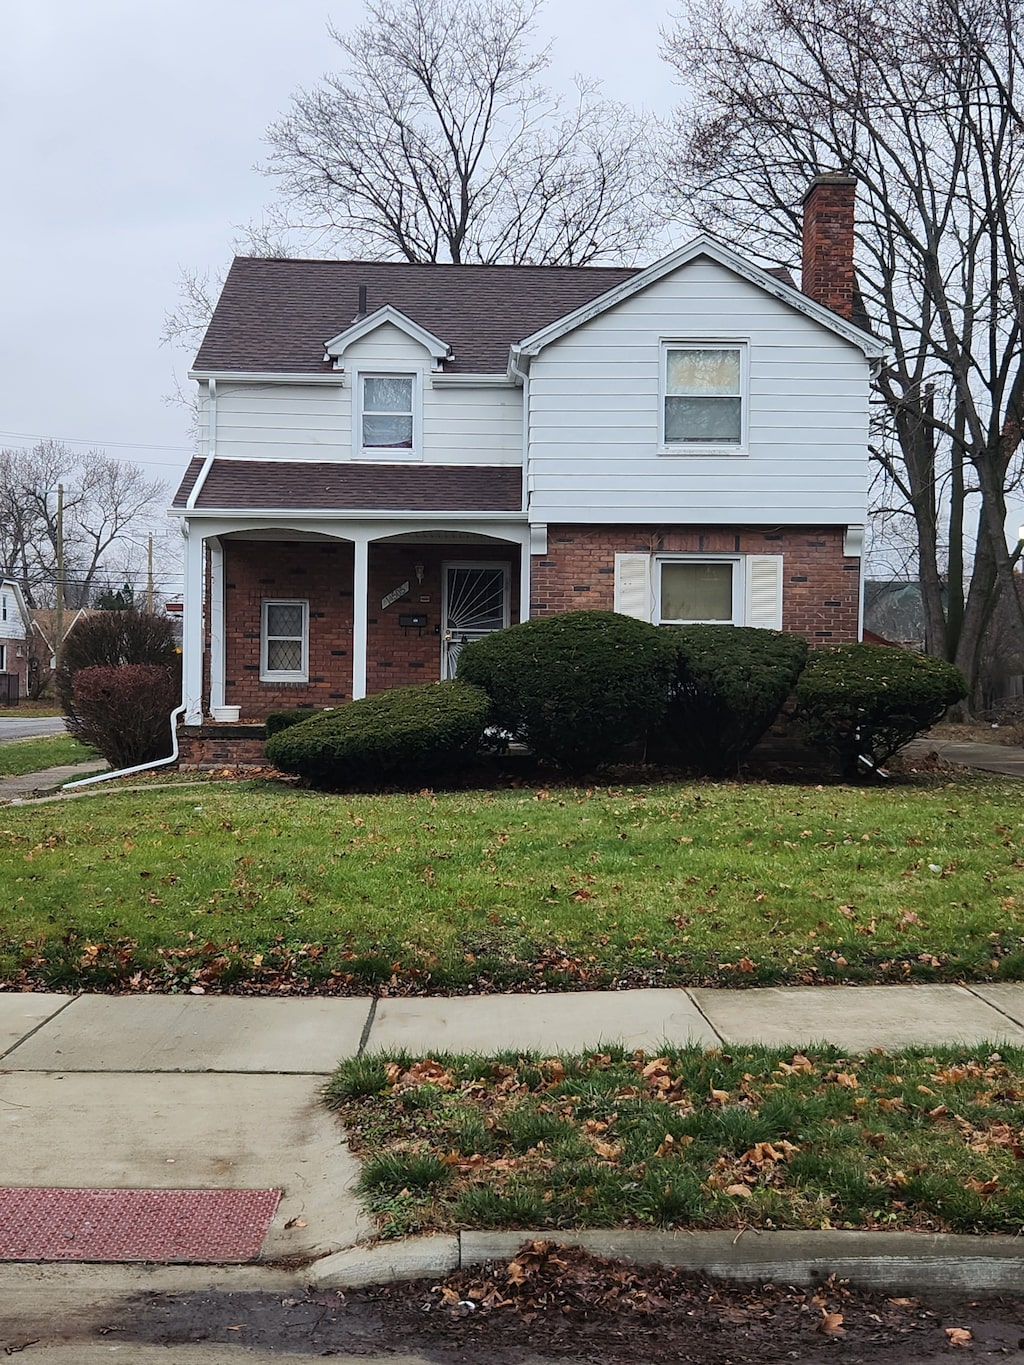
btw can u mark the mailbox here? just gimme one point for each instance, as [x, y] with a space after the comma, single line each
[415, 620]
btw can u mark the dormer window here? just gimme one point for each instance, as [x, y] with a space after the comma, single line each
[387, 422]
[703, 396]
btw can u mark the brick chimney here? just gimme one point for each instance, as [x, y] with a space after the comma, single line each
[827, 267]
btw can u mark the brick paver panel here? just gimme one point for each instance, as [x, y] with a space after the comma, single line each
[134, 1225]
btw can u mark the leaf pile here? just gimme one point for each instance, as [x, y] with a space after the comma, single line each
[612, 1310]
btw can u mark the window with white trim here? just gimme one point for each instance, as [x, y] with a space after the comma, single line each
[703, 389]
[284, 641]
[3, 658]
[3, 606]
[387, 415]
[692, 591]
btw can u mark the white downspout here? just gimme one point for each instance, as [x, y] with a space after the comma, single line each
[172, 757]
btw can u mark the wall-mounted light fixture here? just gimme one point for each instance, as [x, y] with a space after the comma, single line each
[418, 570]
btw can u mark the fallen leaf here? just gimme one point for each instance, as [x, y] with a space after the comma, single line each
[959, 1336]
[741, 1191]
[296, 1223]
[832, 1324]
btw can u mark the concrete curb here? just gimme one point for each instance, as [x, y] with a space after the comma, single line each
[912, 1262]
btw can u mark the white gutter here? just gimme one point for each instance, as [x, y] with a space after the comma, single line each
[139, 767]
[211, 449]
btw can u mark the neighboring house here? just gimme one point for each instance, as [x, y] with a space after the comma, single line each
[13, 646]
[397, 459]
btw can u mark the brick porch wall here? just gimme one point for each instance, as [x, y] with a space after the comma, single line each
[820, 586]
[322, 574]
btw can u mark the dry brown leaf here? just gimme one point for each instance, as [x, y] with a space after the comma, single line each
[847, 1079]
[296, 1223]
[832, 1324]
[741, 1191]
[959, 1336]
[721, 1096]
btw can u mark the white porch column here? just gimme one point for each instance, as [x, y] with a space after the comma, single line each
[218, 642]
[524, 580]
[192, 636]
[360, 611]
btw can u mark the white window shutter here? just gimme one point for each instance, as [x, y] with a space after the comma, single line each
[764, 591]
[633, 586]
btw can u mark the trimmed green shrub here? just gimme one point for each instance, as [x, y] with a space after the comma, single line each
[124, 712]
[112, 638]
[282, 720]
[408, 733]
[576, 687]
[863, 702]
[730, 684]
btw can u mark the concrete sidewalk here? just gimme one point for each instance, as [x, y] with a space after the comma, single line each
[1005, 759]
[14, 789]
[203, 1092]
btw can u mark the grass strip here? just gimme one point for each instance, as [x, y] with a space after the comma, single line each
[35, 755]
[924, 1139]
[258, 886]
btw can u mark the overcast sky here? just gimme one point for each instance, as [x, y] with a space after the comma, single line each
[130, 132]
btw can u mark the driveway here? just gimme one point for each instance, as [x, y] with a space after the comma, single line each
[13, 726]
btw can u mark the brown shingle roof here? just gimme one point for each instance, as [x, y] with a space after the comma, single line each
[307, 485]
[275, 315]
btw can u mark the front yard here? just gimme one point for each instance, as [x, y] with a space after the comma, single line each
[259, 887]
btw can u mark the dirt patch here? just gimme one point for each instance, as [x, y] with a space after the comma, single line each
[554, 1304]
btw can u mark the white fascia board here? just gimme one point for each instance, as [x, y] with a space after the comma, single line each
[336, 347]
[703, 245]
[341, 514]
[265, 377]
[471, 381]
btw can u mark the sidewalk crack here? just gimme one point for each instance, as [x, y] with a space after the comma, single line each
[42, 1024]
[365, 1036]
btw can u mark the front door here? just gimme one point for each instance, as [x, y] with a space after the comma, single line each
[475, 601]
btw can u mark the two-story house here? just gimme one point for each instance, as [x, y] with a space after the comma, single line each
[398, 458]
[13, 644]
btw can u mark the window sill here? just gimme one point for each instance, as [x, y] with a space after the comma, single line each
[388, 455]
[298, 678]
[717, 452]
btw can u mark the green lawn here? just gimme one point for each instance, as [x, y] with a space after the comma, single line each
[48, 751]
[923, 1139]
[738, 884]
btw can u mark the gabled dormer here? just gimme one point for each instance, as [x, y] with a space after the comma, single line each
[387, 316]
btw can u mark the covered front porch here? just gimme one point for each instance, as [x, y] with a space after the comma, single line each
[304, 615]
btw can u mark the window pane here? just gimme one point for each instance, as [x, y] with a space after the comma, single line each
[696, 592]
[714, 420]
[284, 618]
[284, 656]
[392, 394]
[394, 433]
[701, 370]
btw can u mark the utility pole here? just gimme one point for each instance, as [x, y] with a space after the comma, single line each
[59, 628]
[149, 578]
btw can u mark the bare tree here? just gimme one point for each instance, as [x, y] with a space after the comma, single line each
[105, 504]
[438, 143]
[920, 99]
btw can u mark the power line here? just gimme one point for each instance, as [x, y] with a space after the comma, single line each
[117, 445]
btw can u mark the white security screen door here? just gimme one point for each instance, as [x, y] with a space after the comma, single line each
[475, 602]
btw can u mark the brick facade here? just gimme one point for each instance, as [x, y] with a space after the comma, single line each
[321, 573]
[821, 588]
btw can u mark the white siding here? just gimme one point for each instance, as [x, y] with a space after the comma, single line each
[594, 414]
[263, 420]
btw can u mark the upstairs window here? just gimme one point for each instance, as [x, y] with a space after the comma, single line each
[387, 417]
[703, 403]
